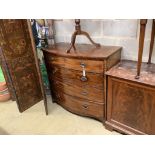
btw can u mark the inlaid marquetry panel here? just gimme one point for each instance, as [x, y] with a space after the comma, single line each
[17, 49]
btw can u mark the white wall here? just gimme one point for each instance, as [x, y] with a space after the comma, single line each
[123, 33]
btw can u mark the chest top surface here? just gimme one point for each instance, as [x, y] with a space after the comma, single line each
[83, 51]
[127, 69]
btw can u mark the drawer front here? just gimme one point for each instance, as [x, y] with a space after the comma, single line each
[91, 94]
[79, 106]
[74, 77]
[76, 64]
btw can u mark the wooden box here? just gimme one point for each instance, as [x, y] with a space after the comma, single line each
[131, 102]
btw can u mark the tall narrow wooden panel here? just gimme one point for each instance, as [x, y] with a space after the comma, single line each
[18, 53]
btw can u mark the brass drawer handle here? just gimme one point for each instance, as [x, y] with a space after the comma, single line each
[84, 93]
[85, 106]
[83, 64]
[83, 78]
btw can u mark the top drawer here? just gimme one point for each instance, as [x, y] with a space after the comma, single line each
[76, 64]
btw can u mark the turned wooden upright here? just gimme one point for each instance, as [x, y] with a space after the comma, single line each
[78, 31]
[143, 23]
[152, 41]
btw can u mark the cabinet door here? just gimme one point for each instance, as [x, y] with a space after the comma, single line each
[18, 52]
[131, 107]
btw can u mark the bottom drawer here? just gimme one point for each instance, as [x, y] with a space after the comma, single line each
[80, 106]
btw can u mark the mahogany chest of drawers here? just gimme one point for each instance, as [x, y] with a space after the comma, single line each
[77, 78]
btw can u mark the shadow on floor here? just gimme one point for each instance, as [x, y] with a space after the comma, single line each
[3, 132]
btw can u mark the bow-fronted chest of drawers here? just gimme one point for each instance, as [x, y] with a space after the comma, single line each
[77, 78]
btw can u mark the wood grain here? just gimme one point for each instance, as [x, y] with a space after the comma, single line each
[16, 44]
[130, 102]
[65, 71]
[79, 106]
[95, 95]
[85, 51]
[91, 65]
[72, 77]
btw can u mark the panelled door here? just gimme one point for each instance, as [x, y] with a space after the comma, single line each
[18, 52]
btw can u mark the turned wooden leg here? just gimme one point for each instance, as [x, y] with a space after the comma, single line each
[141, 45]
[152, 41]
[72, 42]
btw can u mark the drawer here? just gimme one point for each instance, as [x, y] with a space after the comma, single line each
[91, 94]
[73, 77]
[69, 63]
[79, 106]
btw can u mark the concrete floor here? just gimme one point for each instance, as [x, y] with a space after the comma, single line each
[58, 122]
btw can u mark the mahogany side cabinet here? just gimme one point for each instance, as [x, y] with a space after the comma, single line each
[131, 102]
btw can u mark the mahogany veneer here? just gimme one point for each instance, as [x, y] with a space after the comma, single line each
[131, 102]
[83, 95]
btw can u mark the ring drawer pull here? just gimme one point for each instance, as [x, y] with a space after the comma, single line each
[85, 106]
[83, 78]
[84, 93]
[83, 64]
